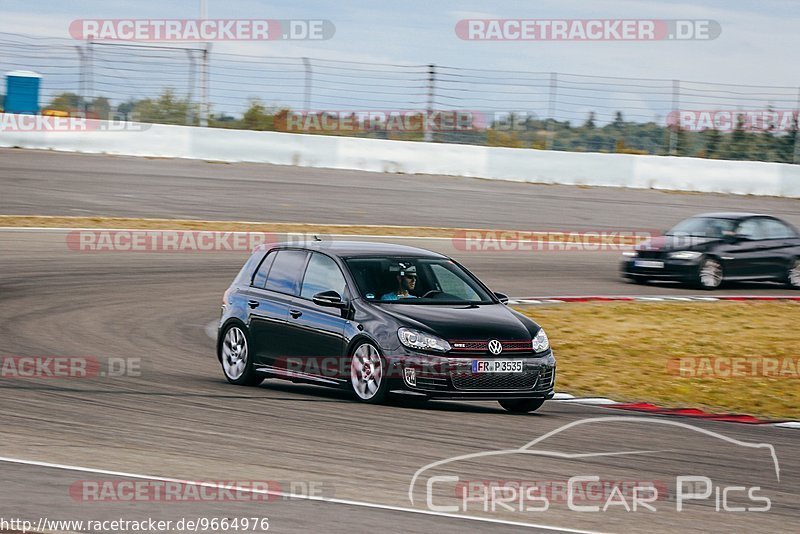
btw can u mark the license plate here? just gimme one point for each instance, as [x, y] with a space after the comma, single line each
[649, 264]
[496, 366]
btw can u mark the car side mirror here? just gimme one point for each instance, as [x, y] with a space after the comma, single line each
[731, 236]
[502, 297]
[330, 299]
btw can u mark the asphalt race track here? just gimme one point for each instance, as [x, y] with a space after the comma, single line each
[178, 418]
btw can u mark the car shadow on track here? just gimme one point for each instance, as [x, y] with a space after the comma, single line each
[312, 393]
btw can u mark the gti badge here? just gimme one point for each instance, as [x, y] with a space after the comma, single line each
[410, 376]
[495, 347]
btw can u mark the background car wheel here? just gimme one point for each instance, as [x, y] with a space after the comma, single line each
[793, 274]
[709, 274]
[237, 363]
[368, 374]
[521, 405]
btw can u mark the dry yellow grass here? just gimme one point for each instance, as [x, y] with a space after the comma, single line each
[623, 351]
[132, 223]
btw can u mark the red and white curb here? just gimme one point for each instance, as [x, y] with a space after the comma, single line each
[681, 412]
[649, 298]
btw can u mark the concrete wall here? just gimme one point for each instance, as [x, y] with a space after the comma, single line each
[375, 155]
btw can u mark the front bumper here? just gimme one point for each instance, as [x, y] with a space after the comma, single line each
[451, 377]
[672, 270]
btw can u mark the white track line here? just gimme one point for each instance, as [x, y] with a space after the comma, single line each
[293, 496]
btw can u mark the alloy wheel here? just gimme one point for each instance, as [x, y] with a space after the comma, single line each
[366, 371]
[711, 273]
[234, 353]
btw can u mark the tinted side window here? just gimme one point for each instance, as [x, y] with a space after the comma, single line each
[751, 229]
[284, 276]
[261, 276]
[322, 275]
[774, 229]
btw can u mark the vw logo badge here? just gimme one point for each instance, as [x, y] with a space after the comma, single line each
[495, 347]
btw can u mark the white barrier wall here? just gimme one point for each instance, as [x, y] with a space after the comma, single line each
[375, 155]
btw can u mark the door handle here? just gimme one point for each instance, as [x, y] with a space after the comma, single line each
[252, 303]
[295, 313]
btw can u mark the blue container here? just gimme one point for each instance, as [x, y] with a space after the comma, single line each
[22, 92]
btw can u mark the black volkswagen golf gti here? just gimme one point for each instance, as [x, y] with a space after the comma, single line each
[380, 319]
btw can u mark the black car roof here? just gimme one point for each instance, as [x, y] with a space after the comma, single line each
[731, 215]
[350, 249]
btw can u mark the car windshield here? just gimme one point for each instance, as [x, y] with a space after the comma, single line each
[410, 280]
[703, 227]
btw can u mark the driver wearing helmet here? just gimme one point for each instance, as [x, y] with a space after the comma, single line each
[406, 282]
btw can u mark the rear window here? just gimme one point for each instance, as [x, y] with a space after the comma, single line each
[246, 272]
[284, 276]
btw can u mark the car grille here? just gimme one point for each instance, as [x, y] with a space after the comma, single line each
[464, 379]
[457, 375]
[545, 378]
[516, 345]
[432, 380]
[650, 254]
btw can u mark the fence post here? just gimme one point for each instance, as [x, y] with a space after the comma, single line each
[190, 93]
[673, 131]
[307, 98]
[796, 154]
[551, 111]
[431, 82]
[204, 85]
[82, 75]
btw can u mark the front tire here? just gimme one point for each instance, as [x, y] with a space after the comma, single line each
[368, 374]
[521, 405]
[793, 274]
[235, 357]
[709, 274]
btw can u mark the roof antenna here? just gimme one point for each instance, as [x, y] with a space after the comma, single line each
[317, 238]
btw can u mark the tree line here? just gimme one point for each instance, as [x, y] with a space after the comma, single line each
[618, 136]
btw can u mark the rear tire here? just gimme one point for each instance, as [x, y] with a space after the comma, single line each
[521, 405]
[236, 359]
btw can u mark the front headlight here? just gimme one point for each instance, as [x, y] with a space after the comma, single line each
[540, 342]
[414, 339]
[630, 253]
[684, 255]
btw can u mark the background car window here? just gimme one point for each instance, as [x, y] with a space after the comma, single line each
[703, 227]
[775, 229]
[322, 274]
[284, 276]
[452, 284]
[260, 277]
[751, 229]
